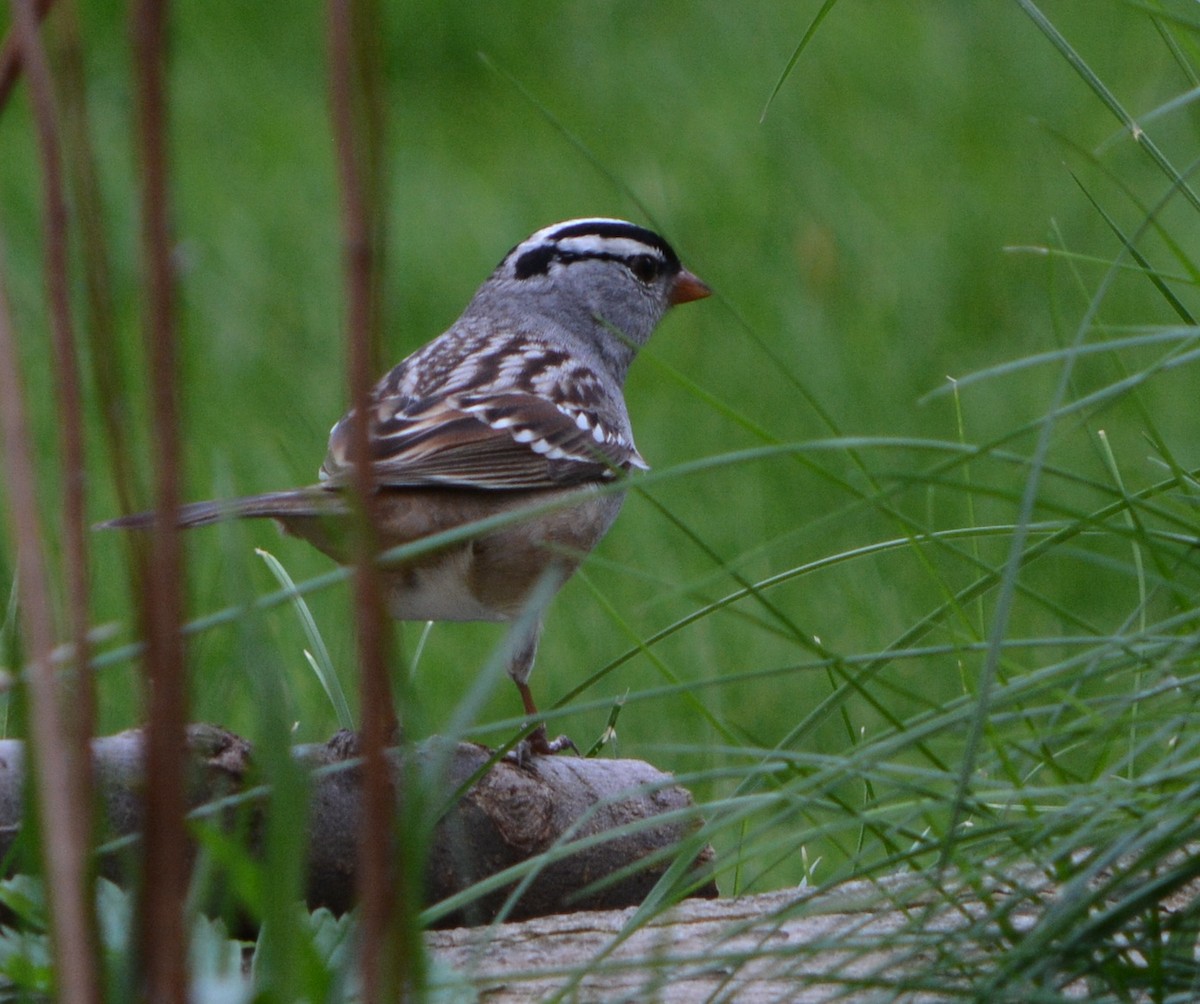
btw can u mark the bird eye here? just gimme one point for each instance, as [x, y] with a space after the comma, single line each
[646, 267]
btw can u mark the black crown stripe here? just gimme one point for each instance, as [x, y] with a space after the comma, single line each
[618, 229]
[536, 261]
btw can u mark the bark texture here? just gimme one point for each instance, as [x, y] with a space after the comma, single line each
[852, 944]
[502, 816]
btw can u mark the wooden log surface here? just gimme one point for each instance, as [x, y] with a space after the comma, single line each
[801, 946]
[509, 814]
[915, 936]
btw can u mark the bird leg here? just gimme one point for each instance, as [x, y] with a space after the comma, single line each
[520, 665]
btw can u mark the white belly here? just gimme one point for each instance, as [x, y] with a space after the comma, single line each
[437, 592]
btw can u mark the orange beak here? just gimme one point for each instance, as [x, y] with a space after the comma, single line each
[687, 288]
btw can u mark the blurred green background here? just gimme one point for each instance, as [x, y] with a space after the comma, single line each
[857, 238]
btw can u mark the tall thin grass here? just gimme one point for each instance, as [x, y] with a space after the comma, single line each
[883, 625]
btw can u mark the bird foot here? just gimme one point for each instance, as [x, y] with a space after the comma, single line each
[537, 744]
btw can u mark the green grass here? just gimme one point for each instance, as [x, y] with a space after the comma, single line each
[866, 614]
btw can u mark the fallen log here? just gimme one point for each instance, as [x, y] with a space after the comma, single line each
[897, 937]
[608, 828]
[1003, 930]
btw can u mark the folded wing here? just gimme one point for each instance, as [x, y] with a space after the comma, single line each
[506, 440]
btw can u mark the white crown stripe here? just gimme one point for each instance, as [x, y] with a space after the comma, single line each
[547, 233]
[617, 247]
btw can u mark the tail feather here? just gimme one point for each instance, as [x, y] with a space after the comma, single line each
[271, 505]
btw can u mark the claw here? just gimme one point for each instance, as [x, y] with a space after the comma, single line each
[536, 744]
[548, 747]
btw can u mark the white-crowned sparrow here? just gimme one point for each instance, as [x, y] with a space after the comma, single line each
[519, 402]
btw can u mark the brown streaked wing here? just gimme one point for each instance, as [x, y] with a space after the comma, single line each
[511, 440]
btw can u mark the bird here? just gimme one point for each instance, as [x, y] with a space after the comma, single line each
[518, 404]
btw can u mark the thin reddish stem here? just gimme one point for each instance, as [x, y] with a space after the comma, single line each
[100, 329]
[65, 869]
[68, 716]
[11, 56]
[383, 973]
[162, 941]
